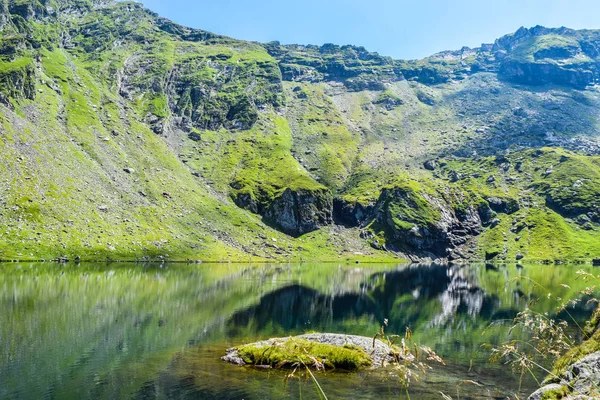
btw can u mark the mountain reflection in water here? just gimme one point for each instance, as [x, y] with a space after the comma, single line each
[450, 294]
[106, 331]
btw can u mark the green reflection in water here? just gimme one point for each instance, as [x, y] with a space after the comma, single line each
[131, 331]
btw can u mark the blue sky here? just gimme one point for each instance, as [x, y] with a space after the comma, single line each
[398, 28]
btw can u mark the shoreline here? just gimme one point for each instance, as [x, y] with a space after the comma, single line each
[592, 262]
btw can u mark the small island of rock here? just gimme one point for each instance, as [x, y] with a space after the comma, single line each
[316, 350]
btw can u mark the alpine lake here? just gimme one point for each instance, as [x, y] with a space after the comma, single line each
[133, 331]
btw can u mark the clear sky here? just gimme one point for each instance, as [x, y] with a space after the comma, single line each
[398, 28]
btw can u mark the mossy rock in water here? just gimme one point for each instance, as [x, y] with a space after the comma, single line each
[293, 351]
[314, 350]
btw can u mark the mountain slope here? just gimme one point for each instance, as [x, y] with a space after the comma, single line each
[125, 135]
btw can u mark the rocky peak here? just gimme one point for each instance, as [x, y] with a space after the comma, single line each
[354, 66]
[511, 41]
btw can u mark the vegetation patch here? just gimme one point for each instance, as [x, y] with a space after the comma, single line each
[293, 351]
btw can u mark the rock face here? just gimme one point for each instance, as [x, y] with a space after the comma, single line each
[503, 206]
[352, 214]
[414, 222]
[579, 382]
[436, 237]
[300, 211]
[537, 73]
[430, 165]
[294, 212]
[584, 375]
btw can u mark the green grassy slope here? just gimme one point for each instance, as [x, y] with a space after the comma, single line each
[83, 175]
[124, 135]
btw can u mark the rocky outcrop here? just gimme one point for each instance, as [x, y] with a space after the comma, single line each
[218, 102]
[576, 375]
[425, 98]
[293, 211]
[503, 206]
[423, 225]
[183, 32]
[379, 352]
[354, 66]
[540, 55]
[580, 382]
[405, 234]
[18, 81]
[437, 238]
[511, 41]
[541, 73]
[535, 56]
[300, 211]
[426, 74]
[582, 211]
[27, 9]
[351, 214]
[42, 9]
[414, 223]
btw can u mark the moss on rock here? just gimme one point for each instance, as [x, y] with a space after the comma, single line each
[296, 350]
